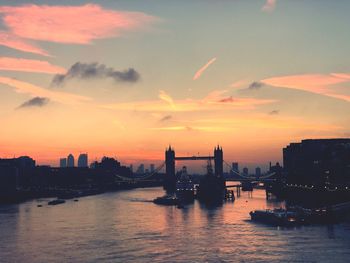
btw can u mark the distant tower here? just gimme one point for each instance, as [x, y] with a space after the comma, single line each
[219, 161]
[63, 162]
[235, 167]
[257, 172]
[170, 162]
[70, 160]
[83, 160]
[151, 168]
[245, 171]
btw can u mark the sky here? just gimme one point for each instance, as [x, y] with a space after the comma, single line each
[128, 78]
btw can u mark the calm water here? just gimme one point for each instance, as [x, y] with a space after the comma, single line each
[126, 227]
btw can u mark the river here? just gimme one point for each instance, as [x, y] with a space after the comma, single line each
[126, 226]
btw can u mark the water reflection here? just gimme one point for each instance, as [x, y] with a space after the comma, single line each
[126, 227]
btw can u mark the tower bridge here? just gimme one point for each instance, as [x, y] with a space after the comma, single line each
[170, 159]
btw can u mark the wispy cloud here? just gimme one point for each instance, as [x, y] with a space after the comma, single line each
[202, 69]
[36, 91]
[274, 112]
[96, 70]
[10, 40]
[65, 24]
[269, 6]
[29, 65]
[316, 83]
[34, 102]
[166, 118]
[213, 101]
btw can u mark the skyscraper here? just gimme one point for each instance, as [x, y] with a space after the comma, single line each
[257, 171]
[63, 162]
[245, 171]
[151, 168]
[235, 167]
[83, 160]
[70, 160]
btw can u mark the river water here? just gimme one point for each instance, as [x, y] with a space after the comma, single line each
[125, 226]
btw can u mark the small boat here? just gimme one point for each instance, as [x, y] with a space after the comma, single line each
[56, 202]
[280, 217]
[166, 200]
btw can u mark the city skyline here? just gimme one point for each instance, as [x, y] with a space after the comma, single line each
[137, 77]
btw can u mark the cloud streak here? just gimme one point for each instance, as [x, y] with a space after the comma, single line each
[214, 101]
[269, 6]
[10, 40]
[34, 102]
[29, 65]
[202, 69]
[65, 24]
[95, 70]
[36, 91]
[315, 83]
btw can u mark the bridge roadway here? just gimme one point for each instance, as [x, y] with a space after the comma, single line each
[194, 158]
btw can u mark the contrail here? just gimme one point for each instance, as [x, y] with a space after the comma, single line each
[202, 69]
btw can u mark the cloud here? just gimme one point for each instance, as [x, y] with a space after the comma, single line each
[274, 112]
[96, 70]
[65, 24]
[35, 102]
[315, 83]
[167, 98]
[255, 85]
[228, 99]
[214, 101]
[166, 118]
[29, 65]
[239, 83]
[36, 91]
[7, 39]
[269, 6]
[202, 69]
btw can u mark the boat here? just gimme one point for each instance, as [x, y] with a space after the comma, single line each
[279, 216]
[56, 202]
[166, 200]
[211, 189]
[184, 187]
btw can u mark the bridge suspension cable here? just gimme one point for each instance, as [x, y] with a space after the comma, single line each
[144, 176]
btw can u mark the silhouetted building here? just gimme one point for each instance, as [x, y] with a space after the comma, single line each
[170, 162]
[141, 169]
[317, 161]
[70, 160]
[151, 168]
[235, 167]
[257, 172]
[131, 167]
[83, 160]
[63, 162]
[245, 171]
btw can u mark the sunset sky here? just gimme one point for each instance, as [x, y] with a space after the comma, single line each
[128, 78]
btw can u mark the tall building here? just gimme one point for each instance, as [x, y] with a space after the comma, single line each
[317, 161]
[245, 171]
[141, 169]
[235, 167]
[83, 160]
[63, 162]
[257, 172]
[151, 168]
[70, 160]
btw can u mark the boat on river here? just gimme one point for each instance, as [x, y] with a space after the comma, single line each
[56, 202]
[280, 217]
[166, 200]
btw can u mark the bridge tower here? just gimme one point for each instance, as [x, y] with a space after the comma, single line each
[170, 179]
[170, 162]
[219, 161]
